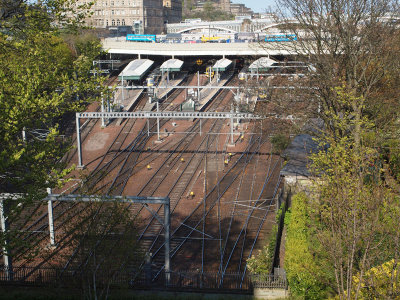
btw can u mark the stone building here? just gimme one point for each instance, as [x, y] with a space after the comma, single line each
[224, 5]
[142, 16]
[238, 9]
[172, 11]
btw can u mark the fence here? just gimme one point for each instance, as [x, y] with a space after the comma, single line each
[187, 280]
[268, 281]
[210, 280]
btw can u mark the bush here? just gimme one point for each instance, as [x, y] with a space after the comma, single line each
[307, 273]
[279, 142]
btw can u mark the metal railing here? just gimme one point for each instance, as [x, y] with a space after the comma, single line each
[182, 280]
[268, 281]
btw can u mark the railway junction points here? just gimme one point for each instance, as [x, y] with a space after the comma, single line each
[214, 164]
[221, 193]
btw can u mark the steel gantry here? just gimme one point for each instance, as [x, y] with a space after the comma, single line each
[90, 198]
[158, 115]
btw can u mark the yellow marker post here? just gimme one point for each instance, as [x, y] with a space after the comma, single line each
[182, 159]
[148, 167]
[191, 194]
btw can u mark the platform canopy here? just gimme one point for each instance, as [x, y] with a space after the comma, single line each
[172, 65]
[222, 65]
[136, 69]
[262, 64]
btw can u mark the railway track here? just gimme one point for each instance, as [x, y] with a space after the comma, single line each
[211, 227]
[171, 160]
[102, 168]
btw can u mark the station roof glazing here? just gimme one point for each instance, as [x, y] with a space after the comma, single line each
[172, 65]
[222, 65]
[136, 69]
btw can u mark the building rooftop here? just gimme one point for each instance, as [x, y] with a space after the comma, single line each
[172, 65]
[136, 69]
[262, 63]
[297, 154]
[222, 64]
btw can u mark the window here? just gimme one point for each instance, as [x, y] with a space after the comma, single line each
[107, 23]
[118, 23]
[113, 22]
[123, 22]
[112, 12]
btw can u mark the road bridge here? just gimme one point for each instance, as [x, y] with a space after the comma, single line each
[120, 46]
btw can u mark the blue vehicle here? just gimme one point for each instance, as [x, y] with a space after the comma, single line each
[141, 37]
[280, 38]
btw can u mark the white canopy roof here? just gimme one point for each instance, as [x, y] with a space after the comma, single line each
[222, 64]
[172, 65]
[262, 63]
[136, 69]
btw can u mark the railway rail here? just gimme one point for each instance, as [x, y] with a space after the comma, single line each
[211, 227]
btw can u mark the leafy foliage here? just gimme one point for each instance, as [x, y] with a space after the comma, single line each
[307, 271]
[42, 79]
[280, 142]
[355, 93]
[381, 282]
[353, 209]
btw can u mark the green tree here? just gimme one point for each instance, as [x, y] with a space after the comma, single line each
[353, 210]
[41, 80]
